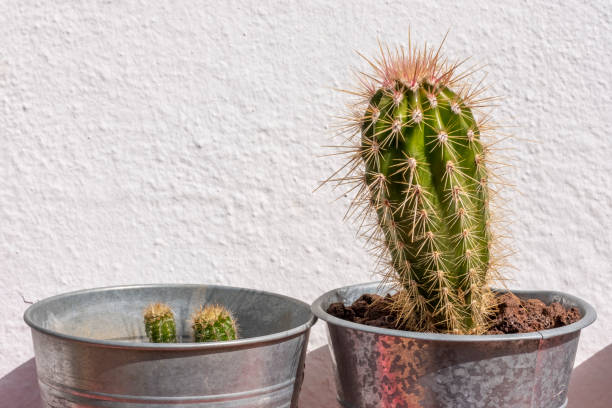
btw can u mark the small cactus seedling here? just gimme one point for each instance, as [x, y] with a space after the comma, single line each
[160, 326]
[214, 323]
[420, 167]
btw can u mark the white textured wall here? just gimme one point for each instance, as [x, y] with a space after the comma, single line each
[149, 141]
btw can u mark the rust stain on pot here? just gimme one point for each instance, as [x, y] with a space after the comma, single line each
[399, 360]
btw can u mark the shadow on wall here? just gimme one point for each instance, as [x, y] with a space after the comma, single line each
[589, 387]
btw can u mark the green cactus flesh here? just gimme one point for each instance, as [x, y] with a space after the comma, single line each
[426, 181]
[160, 326]
[214, 323]
[426, 184]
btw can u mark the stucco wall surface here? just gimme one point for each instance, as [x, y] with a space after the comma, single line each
[170, 141]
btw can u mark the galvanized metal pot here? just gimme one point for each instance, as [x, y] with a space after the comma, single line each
[399, 369]
[90, 350]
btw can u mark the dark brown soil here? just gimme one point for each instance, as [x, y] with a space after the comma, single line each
[513, 315]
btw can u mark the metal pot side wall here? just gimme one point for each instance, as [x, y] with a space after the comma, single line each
[388, 371]
[265, 373]
[80, 374]
[377, 369]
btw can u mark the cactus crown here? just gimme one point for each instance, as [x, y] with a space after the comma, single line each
[214, 323]
[160, 326]
[418, 165]
[157, 310]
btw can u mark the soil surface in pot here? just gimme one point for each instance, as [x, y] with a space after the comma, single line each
[513, 315]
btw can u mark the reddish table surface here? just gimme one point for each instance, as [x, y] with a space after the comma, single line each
[591, 385]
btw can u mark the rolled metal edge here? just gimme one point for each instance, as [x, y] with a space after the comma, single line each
[231, 344]
[319, 309]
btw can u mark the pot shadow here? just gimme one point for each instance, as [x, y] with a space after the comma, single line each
[589, 386]
[318, 388]
[590, 382]
[20, 388]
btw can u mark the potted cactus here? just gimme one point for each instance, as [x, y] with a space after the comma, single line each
[435, 333]
[170, 345]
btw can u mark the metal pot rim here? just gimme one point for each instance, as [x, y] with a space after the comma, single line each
[231, 344]
[588, 317]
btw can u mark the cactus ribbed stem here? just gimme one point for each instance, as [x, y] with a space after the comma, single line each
[214, 323]
[426, 180]
[425, 189]
[160, 326]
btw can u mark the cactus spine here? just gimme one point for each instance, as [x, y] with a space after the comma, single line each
[214, 323]
[418, 163]
[160, 326]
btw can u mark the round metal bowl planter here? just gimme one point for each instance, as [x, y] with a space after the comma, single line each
[378, 367]
[91, 350]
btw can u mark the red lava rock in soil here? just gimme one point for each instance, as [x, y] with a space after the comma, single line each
[528, 315]
[514, 315]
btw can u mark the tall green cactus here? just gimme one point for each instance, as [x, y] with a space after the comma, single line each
[160, 326]
[420, 166]
[214, 323]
